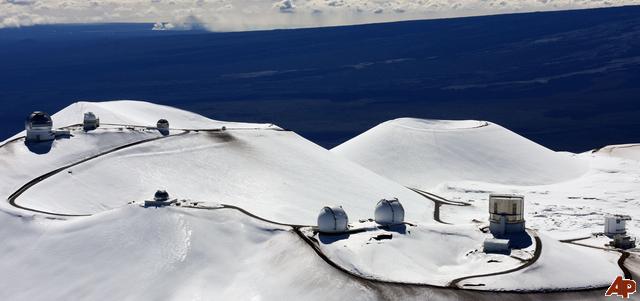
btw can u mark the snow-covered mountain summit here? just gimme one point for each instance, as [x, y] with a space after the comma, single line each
[245, 198]
[257, 166]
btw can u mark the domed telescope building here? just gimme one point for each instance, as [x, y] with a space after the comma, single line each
[333, 220]
[39, 127]
[163, 126]
[161, 196]
[389, 212]
[160, 199]
[90, 122]
[506, 214]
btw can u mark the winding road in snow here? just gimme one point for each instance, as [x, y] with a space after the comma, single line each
[528, 263]
[12, 199]
[623, 257]
[438, 201]
[14, 196]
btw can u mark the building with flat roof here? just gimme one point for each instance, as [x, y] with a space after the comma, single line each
[615, 224]
[506, 214]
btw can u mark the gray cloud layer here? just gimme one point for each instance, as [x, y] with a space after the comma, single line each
[233, 15]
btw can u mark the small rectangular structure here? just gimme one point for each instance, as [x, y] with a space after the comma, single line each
[623, 242]
[496, 246]
[62, 133]
[614, 224]
[156, 204]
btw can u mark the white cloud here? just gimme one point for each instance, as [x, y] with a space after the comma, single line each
[229, 15]
[285, 6]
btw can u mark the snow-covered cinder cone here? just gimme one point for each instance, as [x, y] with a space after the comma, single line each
[333, 220]
[39, 127]
[389, 211]
[423, 154]
[90, 122]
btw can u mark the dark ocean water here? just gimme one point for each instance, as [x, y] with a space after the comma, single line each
[567, 80]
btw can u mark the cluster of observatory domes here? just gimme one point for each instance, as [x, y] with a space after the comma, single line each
[335, 219]
[39, 126]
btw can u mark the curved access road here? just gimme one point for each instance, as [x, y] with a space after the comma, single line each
[536, 256]
[623, 254]
[438, 202]
[14, 196]
[313, 243]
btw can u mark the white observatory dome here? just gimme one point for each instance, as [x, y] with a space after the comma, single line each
[389, 212]
[333, 220]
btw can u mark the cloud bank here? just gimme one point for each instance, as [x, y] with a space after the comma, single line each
[237, 15]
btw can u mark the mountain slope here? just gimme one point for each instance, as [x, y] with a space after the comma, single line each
[424, 153]
[263, 169]
[168, 254]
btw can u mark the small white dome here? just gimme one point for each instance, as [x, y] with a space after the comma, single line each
[389, 212]
[333, 220]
